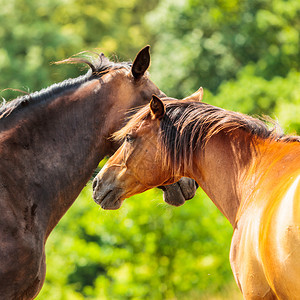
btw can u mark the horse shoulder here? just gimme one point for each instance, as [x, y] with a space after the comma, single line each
[266, 242]
[245, 258]
[22, 257]
[279, 237]
[22, 263]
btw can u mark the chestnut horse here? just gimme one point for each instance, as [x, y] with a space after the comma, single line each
[50, 143]
[250, 172]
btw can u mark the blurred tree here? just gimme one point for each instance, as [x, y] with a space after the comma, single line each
[35, 33]
[278, 98]
[208, 42]
[246, 56]
[145, 250]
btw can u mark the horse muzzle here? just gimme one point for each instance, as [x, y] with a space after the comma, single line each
[177, 193]
[107, 195]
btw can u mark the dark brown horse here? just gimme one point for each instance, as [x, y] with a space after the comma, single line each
[250, 172]
[50, 143]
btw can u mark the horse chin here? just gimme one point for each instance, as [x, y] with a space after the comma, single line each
[111, 200]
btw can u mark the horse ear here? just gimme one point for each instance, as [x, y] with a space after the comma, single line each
[104, 60]
[197, 96]
[157, 107]
[141, 63]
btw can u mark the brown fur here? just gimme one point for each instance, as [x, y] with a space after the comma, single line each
[50, 143]
[251, 173]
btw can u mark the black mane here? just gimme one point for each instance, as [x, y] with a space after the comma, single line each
[189, 125]
[98, 68]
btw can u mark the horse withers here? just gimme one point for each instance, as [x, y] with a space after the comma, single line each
[250, 172]
[50, 143]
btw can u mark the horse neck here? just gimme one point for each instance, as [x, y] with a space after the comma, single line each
[234, 166]
[52, 149]
[219, 168]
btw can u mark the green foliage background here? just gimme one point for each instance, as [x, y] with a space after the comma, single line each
[246, 56]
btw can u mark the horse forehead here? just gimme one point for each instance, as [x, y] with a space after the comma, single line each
[139, 91]
[147, 127]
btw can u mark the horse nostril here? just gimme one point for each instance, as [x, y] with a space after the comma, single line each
[95, 183]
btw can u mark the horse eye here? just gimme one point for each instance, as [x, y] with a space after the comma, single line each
[129, 138]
